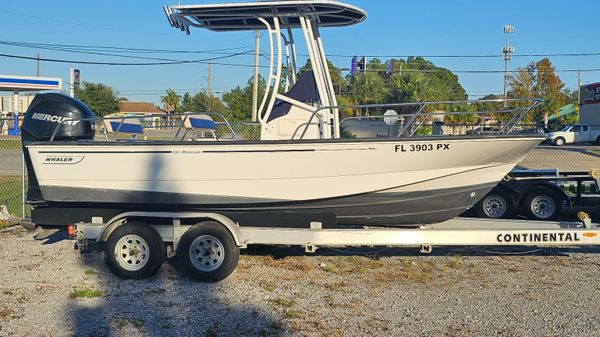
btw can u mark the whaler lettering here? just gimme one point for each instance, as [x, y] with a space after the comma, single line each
[60, 159]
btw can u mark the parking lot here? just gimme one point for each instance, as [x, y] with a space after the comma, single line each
[283, 292]
[566, 158]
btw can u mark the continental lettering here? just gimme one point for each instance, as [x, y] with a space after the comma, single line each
[538, 237]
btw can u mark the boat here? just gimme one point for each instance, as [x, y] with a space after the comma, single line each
[301, 169]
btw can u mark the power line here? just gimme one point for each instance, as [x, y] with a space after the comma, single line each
[264, 54]
[176, 62]
[75, 47]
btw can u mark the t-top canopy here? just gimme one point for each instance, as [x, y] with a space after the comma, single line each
[244, 15]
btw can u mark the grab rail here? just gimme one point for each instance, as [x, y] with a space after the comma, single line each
[121, 119]
[421, 112]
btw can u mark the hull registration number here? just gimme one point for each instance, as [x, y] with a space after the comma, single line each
[422, 147]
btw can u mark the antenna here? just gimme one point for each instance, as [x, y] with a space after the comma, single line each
[508, 52]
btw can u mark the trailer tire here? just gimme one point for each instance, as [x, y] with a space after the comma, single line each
[135, 250]
[208, 252]
[495, 205]
[542, 204]
[559, 141]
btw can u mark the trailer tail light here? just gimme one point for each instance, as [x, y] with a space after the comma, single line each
[590, 235]
[71, 231]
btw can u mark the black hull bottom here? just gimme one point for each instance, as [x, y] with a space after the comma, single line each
[381, 209]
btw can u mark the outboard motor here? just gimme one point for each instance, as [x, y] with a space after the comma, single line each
[48, 112]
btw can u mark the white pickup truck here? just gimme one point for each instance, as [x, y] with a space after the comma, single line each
[578, 133]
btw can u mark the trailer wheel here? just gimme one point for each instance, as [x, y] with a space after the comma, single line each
[135, 250]
[208, 252]
[560, 141]
[542, 204]
[495, 205]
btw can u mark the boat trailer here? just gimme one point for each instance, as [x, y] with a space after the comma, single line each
[208, 244]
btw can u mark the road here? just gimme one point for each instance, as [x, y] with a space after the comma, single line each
[567, 158]
[11, 162]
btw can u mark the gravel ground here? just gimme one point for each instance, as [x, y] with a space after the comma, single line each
[282, 292]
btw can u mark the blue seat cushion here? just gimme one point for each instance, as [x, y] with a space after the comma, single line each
[126, 127]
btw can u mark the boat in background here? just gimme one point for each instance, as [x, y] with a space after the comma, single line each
[301, 169]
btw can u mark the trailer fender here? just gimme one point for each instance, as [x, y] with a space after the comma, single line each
[507, 191]
[120, 219]
[520, 189]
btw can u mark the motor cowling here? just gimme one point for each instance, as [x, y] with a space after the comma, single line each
[50, 112]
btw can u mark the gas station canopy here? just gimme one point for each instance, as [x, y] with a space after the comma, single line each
[27, 83]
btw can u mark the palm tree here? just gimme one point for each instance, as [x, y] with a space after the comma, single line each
[171, 101]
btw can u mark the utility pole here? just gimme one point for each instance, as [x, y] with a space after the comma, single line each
[255, 79]
[578, 87]
[72, 83]
[37, 72]
[209, 80]
[507, 51]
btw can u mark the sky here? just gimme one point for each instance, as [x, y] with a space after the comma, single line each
[393, 28]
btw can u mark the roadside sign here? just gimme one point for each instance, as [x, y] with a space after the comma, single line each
[390, 117]
[76, 77]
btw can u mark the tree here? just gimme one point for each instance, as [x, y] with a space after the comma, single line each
[202, 102]
[171, 101]
[550, 88]
[367, 88]
[239, 100]
[538, 80]
[102, 99]
[186, 102]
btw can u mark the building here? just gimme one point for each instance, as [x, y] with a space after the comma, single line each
[589, 104]
[143, 109]
[12, 104]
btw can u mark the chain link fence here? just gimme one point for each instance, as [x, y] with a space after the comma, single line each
[11, 172]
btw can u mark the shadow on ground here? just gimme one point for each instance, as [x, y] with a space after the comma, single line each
[168, 304]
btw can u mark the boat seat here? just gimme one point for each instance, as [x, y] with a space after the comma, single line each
[201, 127]
[287, 121]
[130, 126]
[304, 90]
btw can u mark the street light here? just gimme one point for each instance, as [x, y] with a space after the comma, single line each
[508, 52]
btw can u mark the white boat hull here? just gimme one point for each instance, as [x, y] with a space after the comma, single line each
[388, 181]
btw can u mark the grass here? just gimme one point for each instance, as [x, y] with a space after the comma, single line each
[10, 143]
[270, 287]
[90, 271]
[85, 292]
[595, 151]
[282, 302]
[10, 193]
[291, 313]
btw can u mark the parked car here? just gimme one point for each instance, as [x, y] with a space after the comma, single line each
[570, 134]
